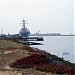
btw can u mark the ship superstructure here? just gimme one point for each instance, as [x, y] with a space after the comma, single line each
[24, 32]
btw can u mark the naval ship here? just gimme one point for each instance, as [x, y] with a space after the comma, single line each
[23, 36]
[24, 32]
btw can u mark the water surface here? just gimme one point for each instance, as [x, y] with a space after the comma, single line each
[62, 46]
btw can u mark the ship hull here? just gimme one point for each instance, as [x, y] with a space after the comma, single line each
[25, 34]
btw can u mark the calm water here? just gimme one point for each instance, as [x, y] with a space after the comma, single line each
[63, 46]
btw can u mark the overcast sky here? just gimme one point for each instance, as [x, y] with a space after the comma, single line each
[48, 16]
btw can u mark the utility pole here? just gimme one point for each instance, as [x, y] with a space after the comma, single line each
[2, 31]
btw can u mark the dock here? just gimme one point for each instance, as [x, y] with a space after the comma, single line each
[29, 40]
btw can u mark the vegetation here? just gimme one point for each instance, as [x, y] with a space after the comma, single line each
[40, 63]
[6, 44]
[26, 57]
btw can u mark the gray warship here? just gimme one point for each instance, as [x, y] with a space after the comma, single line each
[24, 32]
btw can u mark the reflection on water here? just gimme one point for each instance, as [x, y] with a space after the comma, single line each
[58, 45]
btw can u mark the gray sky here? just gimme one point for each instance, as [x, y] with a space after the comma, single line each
[49, 16]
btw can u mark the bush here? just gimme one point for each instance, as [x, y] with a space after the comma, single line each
[39, 62]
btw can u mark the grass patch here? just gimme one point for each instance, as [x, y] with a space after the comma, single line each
[6, 43]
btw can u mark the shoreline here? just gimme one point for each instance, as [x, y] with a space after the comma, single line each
[52, 35]
[19, 51]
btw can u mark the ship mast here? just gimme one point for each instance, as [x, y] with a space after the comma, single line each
[24, 23]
